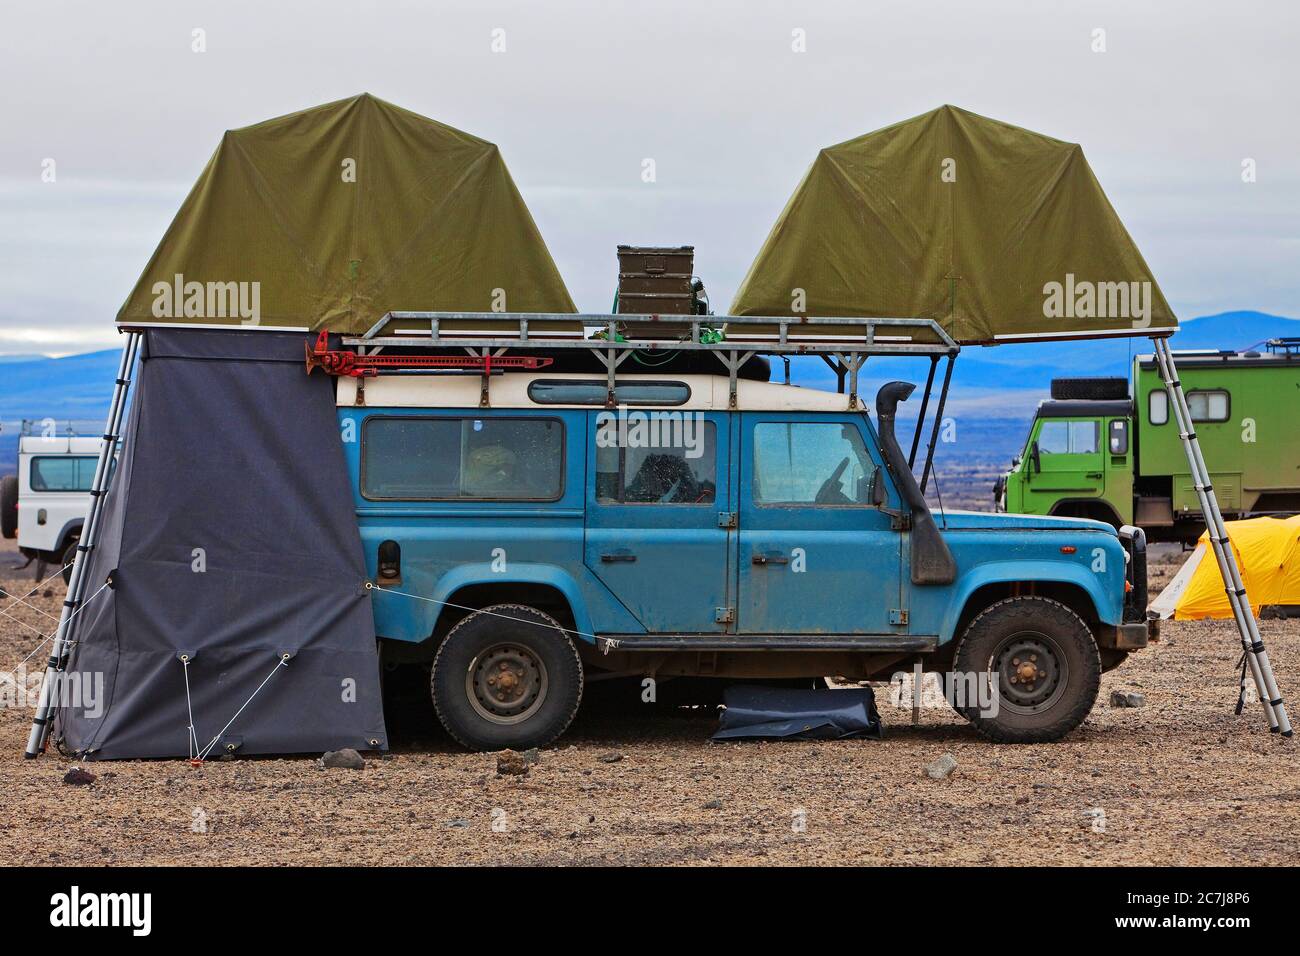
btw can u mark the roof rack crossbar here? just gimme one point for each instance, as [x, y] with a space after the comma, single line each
[865, 336]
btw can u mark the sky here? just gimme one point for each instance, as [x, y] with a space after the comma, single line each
[718, 94]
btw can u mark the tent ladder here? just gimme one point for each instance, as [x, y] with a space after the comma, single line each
[1253, 646]
[46, 703]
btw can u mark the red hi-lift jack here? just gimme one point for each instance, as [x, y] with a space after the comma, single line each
[362, 367]
[344, 362]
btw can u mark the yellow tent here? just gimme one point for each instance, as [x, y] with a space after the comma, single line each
[1268, 554]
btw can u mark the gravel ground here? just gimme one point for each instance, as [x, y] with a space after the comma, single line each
[1180, 780]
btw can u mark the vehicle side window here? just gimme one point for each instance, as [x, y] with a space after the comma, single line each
[1209, 405]
[1118, 436]
[1158, 406]
[498, 459]
[810, 463]
[1068, 438]
[63, 473]
[674, 462]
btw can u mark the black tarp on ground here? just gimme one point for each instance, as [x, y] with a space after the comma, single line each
[780, 712]
[232, 449]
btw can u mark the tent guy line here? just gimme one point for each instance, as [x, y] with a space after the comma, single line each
[46, 638]
[282, 662]
[518, 620]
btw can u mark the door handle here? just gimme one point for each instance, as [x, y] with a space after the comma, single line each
[770, 559]
[618, 556]
[1095, 474]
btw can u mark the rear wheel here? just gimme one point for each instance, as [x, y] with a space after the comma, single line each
[507, 676]
[9, 506]
[1044, 663]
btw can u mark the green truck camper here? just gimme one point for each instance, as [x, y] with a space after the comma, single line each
[1109, 449]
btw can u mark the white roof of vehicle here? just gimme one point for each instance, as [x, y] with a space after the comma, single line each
[59, 445]
[708, 392]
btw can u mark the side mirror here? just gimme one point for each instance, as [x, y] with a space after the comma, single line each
[876, 490]
[1034, 460]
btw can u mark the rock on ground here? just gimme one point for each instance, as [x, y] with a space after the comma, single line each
[1121, 698]
[941, 769]
[345, 759]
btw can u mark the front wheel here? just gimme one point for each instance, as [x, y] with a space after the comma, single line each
[1039, 667]
[506, 677]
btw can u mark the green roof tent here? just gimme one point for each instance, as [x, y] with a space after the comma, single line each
[339, 214]
[997, 233]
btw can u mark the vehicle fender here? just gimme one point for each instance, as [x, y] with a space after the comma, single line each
[1021, 572]
[464, 575]
[74, 524]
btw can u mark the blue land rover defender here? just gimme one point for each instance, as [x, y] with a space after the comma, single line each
[528, 530]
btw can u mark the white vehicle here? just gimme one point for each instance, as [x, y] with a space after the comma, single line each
[45, 504]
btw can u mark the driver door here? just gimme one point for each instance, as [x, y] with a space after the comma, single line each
[815, 556]
[1069, 463]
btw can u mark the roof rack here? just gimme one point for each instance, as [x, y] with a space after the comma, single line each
[844, 343]
[1286, 345]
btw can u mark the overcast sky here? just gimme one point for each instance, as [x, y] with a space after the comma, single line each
[713, 92]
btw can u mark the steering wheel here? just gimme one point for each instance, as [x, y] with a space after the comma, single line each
[829, 493]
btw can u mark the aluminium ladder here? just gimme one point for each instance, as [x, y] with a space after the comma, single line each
[1251, 644]
[72, 604]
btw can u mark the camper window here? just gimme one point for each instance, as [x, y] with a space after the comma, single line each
[1158, 407]
[433, 459]
[1208, 405]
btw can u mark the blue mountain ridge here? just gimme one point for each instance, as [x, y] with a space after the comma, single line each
[993, 395]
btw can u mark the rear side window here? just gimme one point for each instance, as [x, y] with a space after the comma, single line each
[810, 463]
[1209, 405]
[677, 467]
[1158, 407]
[440, 459]
[545, 392]
[1068, 438]
[63, 473]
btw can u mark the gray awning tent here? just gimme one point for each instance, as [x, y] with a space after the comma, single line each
[229, 541]
[226, 587]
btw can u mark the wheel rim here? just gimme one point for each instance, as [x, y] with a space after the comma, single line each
[1032, 672]
[506, 683]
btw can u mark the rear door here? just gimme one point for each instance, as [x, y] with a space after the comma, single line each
[815, 557]
[658, 486]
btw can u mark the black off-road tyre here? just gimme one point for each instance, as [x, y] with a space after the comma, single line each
[1002, 639]
[1099, 389]
[9, 506]
[69, 555]
[540, 662]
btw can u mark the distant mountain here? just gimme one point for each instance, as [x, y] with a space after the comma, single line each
[77, 386]
[995, 390]
[1030, 366]
[75, 389]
